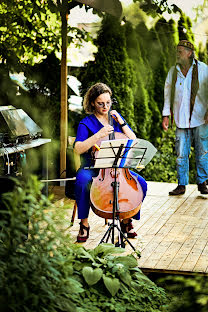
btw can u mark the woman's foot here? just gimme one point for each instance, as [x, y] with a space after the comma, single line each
[83, 233]
[127, 227]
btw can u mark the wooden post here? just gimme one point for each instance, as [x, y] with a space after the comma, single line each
[64, 95]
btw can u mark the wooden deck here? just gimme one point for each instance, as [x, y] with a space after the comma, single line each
[172, 232]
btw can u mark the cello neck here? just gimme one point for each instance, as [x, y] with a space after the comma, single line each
[110, 121]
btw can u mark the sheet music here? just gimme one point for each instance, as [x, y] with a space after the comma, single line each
[135, 153]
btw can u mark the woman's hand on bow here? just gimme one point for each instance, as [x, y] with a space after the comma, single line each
[105, 131]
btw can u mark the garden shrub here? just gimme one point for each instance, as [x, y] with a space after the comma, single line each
[186, 293]
[43, 271]
[162, 167]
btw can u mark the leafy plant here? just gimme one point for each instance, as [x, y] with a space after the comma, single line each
[186, 294]
[162, 168]
[40, 270]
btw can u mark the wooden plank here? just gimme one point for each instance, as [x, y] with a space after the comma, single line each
[201, 265]
[169, 231]
[191, 260]
[172, 245]
[185, 259]
[169, 250]
[168, 256]
[160, 207]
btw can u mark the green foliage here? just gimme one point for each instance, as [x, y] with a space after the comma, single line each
[162, 168]
[155, 74]
[45, 272]
[144, 40]
[30, 30]
[92, 276]
[42, 103]
[203, 53]
[156, 60]
[161, 46]
[113, 67]
[8, 88]
[168, 36]
[44, 94]
[27, 31]
[134, 14]
[188, 294]
[184, 28]
[142, 112]
[154, 7]
[28, 276]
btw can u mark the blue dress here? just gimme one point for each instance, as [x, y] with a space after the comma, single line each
[87, 127]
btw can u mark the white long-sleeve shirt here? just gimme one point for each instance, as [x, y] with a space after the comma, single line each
[181, 105]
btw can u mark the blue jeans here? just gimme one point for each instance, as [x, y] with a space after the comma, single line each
[184, 138]
[82, 190]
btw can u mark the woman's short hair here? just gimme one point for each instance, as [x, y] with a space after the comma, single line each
[91, 95]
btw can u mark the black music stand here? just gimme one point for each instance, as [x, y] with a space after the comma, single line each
[118, 153]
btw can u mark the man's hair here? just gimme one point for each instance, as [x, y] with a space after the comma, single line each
[91, 95]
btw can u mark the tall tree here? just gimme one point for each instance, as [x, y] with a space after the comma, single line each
[168, 36]
[157, 62]
[203, 53]
[185, 28]
[112, 66]
[144, 40]
[142, 112]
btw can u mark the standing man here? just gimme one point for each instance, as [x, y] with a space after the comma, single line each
[186, 97]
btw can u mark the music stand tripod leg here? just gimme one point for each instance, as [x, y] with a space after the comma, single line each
[121, 237]
[110, 232]
[106, 233]
[120, 242]
[125, 239]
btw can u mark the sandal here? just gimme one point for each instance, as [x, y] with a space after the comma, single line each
[127, 227]
[82, 239]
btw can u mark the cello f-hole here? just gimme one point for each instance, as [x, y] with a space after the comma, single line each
[102, 175]
[127, 176]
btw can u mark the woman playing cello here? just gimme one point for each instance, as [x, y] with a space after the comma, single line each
[97, 103]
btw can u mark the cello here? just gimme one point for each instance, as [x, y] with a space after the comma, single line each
[102, 193]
